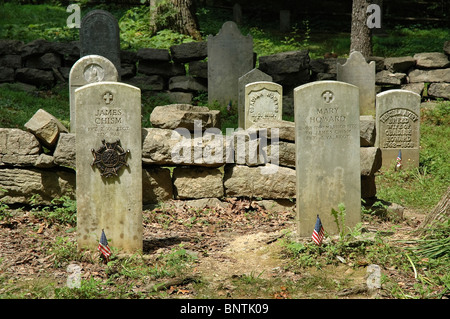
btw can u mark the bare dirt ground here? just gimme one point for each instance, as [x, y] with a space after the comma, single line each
[238, 239]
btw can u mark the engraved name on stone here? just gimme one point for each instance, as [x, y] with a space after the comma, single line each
[108, 119]
[327, 123]
[398, 128]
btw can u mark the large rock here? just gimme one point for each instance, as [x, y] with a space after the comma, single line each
[414, 87]
[157, 145]
[388, 78]
[187, 84]
[447, 47]
[367, 130]
[437, 75]
[286, 129]
[147, 82]
[399, 64]
[197, 182]
[431, 60]
[13, 61]
[287, 68]
[260, 181]
[198, 69]
[10, 46]
[18, 148]
[6, 74]
[162, 68]
[20, 186]
[47, 61]
[35, 76]
[286, 154]
[190, 51]
[169, 147]
[156, 185]
[439, 90]
[370, 160]
[64, 154]
[183, 116]
[151, 54]
[45, 127]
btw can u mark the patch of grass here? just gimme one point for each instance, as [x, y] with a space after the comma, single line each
[18, 106]
[407, 187]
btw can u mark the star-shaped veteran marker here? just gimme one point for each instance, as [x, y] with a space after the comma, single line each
[109, 158]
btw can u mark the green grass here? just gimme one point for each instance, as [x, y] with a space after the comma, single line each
[421, 188]
[18, 106]
[29, 22]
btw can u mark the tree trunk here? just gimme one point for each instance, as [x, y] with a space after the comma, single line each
[176, 15]
[440, 213]
[361, 35]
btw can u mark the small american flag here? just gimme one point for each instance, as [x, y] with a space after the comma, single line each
[318, 232]
[399, 160]
[103, 246]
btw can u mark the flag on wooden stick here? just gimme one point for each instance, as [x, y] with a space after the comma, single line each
[399, 160]
[318, 232]
[103, 246]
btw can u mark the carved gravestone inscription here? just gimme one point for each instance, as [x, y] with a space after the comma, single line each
[327, 154]
[398, 127]
[109, 165]
[254, 75]
[263, 100]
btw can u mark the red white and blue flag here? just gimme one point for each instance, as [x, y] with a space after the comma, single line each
[103, 246]
[399, 160]
[318, 232]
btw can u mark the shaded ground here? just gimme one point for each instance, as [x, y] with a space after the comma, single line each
[237, 247]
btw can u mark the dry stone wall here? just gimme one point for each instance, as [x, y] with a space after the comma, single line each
[181, 72]
[31, 172]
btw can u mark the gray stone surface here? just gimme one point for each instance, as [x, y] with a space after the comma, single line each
[263, 100]
[399, 64]
[88, 69]
[45, 127]
[99, 35]
[241, 180]
[255, 75]
[191, 51]
[19, 186]
[358, 72]
[198, 182]
[328, 154]
[230, 55]
[184, 116]
[156, 185]
[109, 112]
[437, 75]
[430, 60]
[398, 126]
[439, 90]
[18, 148]
[65, 153]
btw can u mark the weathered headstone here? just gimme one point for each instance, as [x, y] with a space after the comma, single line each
[358, 72]
[88, 69]
[109, 165]
[230, 55]
[327, 154]
[263, 100]
[100, 35]
[254, 75]
[285, 20]
[398, 126]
